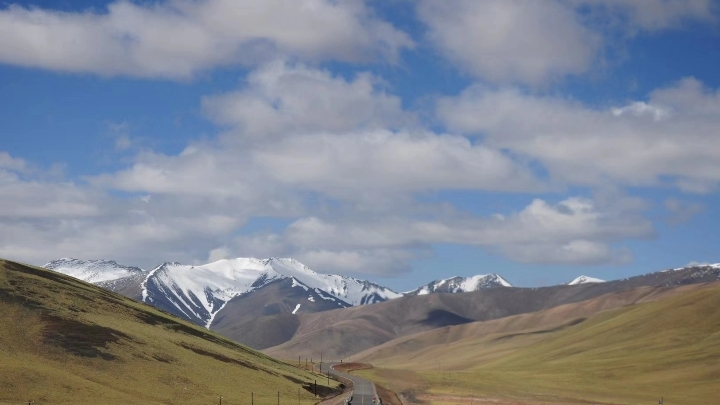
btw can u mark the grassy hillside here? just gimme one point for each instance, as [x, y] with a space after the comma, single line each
[63, 341]
[462, 346]
[669, 347]
[344, 332]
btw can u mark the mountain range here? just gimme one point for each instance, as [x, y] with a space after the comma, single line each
[200, 293]
[350, 331]
[588, 341]
[286, 308]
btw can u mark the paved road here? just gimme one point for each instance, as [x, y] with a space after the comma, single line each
[364, 390]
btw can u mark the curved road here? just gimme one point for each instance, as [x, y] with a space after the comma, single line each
[363, 391]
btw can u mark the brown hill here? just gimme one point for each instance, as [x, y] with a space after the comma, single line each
[463, 346]
[344, 332]
[665, 345]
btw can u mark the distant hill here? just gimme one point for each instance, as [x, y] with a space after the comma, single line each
[463, 347]
[666, 344]
[345, 332]
[64, 341]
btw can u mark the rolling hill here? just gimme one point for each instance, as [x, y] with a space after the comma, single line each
[665, 345]
[344, 332]
[64, 341]
[462, 347]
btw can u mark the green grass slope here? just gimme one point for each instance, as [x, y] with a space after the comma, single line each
[633, 355]
[63, 341]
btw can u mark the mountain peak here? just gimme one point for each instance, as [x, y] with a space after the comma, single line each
[585, 280]
[93, 271]
[460, 284]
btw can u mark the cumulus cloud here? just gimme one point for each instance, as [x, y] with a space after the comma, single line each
[44, 218]
[536, 41]
[670, 137]
[178, 38]
[576, 231]
[518, 40]
[12, 163]
[281, 100]
[279, 142]
[348, 185]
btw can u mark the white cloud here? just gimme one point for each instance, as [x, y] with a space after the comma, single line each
[12, 163]
[280, 143]
[536, 41]
[351, 165]
[527, 41]
[668, 138]
[218, 254]
[640, 108]
[349, 185]
[289, 100]
[179, 38]
[32, 199]
[573, 231]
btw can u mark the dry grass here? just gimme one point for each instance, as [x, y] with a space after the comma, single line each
[63, 341]
[348, 367]
[632, 355]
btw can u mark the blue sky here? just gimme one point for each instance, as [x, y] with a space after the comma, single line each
[400, 141]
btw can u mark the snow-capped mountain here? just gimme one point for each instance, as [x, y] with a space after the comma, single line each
[585, 280]
[93, 271]
[461, 284]
[198, 293]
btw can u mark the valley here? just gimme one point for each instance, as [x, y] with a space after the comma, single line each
[665, 347]
[588, 341]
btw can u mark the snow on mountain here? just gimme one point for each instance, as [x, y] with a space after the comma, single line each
[92, 271]
[693, 265]
[199, 292]
[461, 284]
[585, 280]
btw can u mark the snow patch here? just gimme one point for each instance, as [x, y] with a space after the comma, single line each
[296, 309]
[93, 271]
[585, 280]
[296, 284]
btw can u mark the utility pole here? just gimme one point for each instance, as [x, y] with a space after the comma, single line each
[278, 397]
[298, 361]
[305, 363]
[220, 399]
[252, 398]
[315, 388]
